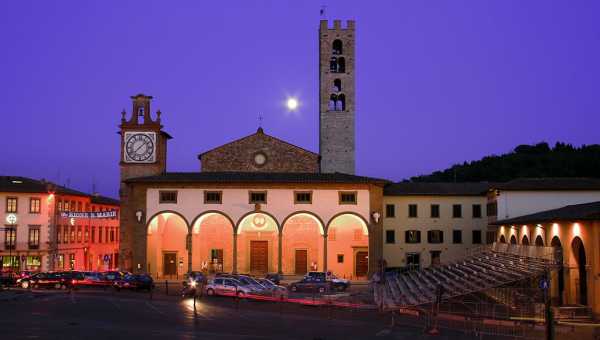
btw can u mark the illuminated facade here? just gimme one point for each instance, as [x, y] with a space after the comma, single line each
[34, 235]
[575, 231]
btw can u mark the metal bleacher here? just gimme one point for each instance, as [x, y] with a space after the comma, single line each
[484, 268]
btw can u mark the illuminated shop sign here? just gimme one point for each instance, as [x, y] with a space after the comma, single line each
[90, 214]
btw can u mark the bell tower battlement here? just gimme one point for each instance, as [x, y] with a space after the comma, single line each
[337, 96]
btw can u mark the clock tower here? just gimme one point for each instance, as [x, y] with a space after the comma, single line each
[143, 143]
[143, 153]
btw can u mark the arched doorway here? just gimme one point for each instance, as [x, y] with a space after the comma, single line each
[502, 239]
[525, 240]
[348, 246]
[513, 239]
[166, 252]
[539, 241]
[212, 243]
[581, 280]
[257, 243]
[302, 244]
[560, 276]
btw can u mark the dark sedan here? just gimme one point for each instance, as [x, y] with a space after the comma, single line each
[135, 282]
[58, 280]
[310, 284]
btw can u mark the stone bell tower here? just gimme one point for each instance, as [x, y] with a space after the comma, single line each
[143, 153]
[336, 97]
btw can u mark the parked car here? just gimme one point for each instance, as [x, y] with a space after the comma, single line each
[94, 279]
[114, 275]
[192, 283]
[250, 282]
[338, 284]
[135, 282]
[7, 279]
[227, 286]
[274, 277]
[311, 284]
[273, 289]
[46, 280]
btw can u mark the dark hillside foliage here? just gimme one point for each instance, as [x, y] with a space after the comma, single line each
[539, 160]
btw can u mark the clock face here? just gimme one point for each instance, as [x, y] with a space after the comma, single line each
[140, 147]
[260, 159]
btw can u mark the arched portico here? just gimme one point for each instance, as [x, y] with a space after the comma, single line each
[513, 239]
[257, 243]
[166, 251]
[578, 272]
[212, 242]
[302, 243]
[347, 245]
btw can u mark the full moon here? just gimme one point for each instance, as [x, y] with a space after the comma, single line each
[292, 104]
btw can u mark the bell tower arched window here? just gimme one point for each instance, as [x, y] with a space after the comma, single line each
[337, 85]
[332, 100]
[341, 65]
[340, 103]
[337, 47]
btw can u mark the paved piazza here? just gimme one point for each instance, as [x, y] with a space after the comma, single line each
[86, 314]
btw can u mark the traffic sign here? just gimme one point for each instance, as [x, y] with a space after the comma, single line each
[544, 284]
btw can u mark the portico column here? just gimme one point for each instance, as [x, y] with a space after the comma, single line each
[234, 252]
[279, 257]
[325, 252]
[189, 252]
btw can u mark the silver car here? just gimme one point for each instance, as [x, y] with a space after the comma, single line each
[228, 287]
[273, 289]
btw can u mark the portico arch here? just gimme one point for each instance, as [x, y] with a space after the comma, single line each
[578, 278]
[558, 280]
[302, 243]
[212, 242]
[166, 240]
[525, 240]
[348, 245]
[539, 241]
[257, 239]
[513, 239]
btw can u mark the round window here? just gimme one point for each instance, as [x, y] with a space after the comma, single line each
[260, 159]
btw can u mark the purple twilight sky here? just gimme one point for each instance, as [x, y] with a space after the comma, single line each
[438, 82]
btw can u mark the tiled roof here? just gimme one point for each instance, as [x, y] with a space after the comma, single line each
[437, 189]
[98, 199]
[259, 177]
[574, 183]
[585, 211]
[19, 184]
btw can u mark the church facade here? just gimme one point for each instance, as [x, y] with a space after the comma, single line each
[258, 204]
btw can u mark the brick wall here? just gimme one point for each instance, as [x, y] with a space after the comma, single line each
[240, 156]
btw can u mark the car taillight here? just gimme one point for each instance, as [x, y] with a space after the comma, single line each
[73, 281]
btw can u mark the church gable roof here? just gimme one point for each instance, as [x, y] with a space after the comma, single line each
[259, 134]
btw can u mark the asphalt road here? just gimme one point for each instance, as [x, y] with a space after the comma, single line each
[131, 315]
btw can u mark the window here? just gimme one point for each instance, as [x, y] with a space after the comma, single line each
[412, 210]
[99, 234]
[65, 234]
[476, 236]
[302, 197]
[93, 234]
[61, 261]
[106, 230]
[456, 210]
[87, 207]
[10, 238]
[336, 47]
[347, 197]
[58, 234]
[34, 205]
[492, 209]
[340, 258]
[34, 237]
[476, 210]
[412, 236]
[72, 234]
[86, 235]
[11, 204]
[33, 261]
[435, 211]
[212, 197]
[79, 235]
[73, 206]
[390, 210]
[257, 197]
[435, 236]
[390, 236]
[60, 206]
[79, 208]
[72, 261]
[167, 197]
[112, 235]
[66, 206]
[456, 236]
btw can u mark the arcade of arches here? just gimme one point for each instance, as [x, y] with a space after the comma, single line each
[257, 244]
[574, 283]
